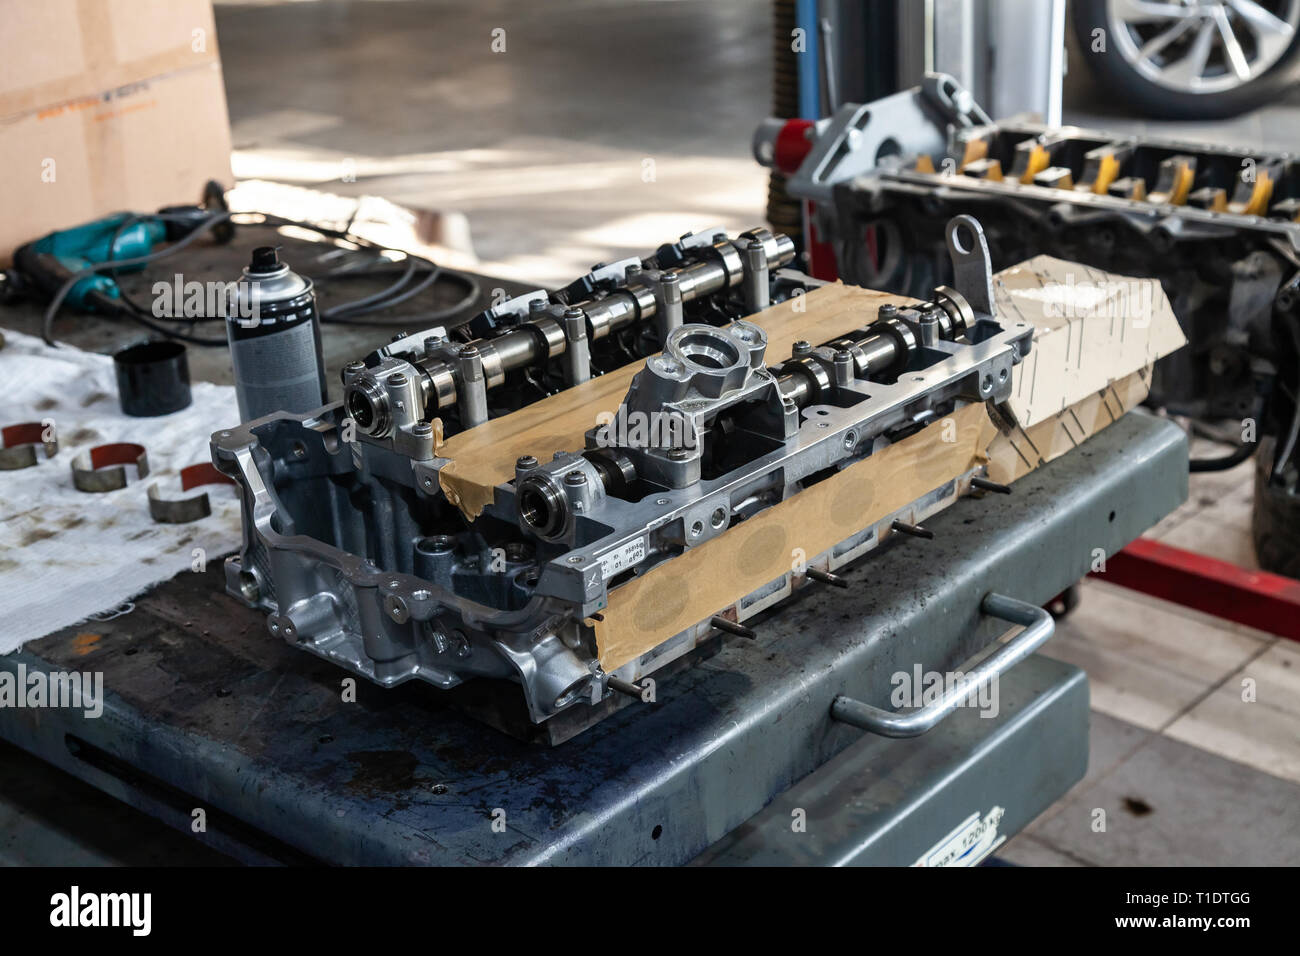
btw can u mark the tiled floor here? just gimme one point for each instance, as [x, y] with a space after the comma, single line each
[1196, 721]
[1150, 800]
[603, 129]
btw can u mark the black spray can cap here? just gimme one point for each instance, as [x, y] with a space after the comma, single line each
[265, 259]
[269, 295]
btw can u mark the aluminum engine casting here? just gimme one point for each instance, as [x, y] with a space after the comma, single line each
[353, 549]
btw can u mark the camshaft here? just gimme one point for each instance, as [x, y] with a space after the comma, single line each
[638, 292]
[885, 348]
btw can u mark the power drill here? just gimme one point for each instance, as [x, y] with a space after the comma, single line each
[43, 266]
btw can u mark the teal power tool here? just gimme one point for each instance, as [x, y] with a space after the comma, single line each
[45, 266]
[50, 261]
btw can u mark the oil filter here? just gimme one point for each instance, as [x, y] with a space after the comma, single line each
[153, 378]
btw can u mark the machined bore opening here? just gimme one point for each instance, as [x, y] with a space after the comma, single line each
[708, 350]
[361, 409]
[541, 508]
[436, 544]
[570, 693]
[249, 588]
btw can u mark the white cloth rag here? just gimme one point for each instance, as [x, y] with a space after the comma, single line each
[65, 554]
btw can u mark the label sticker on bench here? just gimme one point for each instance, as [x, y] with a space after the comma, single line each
[972, 840]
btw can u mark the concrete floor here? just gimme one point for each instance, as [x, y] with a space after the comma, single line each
[604, 128]
[545, 149]
[1187, 769]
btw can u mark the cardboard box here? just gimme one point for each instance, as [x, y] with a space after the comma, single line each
[1091, 329]
[106, 105]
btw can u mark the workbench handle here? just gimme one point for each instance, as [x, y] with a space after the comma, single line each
[1038, 627]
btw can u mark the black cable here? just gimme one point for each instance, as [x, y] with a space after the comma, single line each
[377, 297]
[137, 311]
[118, 309]
[173, 333]
[1239, 454]
[348, 313]
[433, 316]
[47, 320]
[395, 292]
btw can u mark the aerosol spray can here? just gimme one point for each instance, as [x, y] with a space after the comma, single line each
[274, 332]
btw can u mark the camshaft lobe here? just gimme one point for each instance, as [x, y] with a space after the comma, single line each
[647, 295]
[521, 347]
[885, 348]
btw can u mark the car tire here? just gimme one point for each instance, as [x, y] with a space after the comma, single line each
[1275, 520]
[1120, 78]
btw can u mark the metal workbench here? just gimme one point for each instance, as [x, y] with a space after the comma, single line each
[206, 710]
